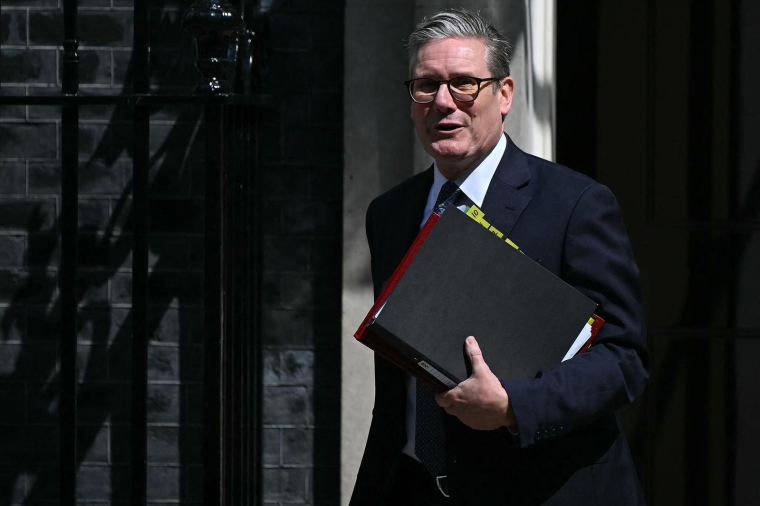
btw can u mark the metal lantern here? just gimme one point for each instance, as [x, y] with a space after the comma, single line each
[212, 22]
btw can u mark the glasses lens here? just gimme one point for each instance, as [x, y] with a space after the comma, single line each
[424, 90]
[464, 88]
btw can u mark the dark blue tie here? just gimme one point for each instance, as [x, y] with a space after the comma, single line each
[446, 196]
[429, 434]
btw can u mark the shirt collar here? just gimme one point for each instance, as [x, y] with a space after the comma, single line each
[475, 183]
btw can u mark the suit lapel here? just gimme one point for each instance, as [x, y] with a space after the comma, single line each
[413, 206]
[503, 204]
[506, 197]
[405, 218]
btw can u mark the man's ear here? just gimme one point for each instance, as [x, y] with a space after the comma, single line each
[506, 93]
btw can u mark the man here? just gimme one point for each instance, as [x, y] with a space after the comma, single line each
[549, 439]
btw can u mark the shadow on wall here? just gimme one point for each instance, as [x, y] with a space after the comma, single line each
[29, 388]
[529, 27]
[29, 326]
[715, 263]
[302, 183]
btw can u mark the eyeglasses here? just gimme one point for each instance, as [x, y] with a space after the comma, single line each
[463, 89]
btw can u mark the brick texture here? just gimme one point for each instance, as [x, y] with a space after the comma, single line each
[302, 153]
[301, 171]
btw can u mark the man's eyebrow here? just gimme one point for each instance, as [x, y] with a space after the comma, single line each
[453, 73]
[437, 77]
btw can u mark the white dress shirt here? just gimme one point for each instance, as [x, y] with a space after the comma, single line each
[474, 184]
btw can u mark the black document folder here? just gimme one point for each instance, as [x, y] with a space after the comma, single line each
[460, 279]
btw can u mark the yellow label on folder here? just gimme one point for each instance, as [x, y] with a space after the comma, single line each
[498, 234]
[474, 213]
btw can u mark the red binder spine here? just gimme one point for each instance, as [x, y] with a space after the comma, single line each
[598, 322]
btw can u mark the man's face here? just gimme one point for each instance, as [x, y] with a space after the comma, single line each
[459, 135]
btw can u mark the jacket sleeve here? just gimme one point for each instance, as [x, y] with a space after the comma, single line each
[597, 260]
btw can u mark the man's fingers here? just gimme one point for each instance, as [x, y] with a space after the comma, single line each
[445, 399]
[476, 356]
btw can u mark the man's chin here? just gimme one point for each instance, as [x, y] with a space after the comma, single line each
[448, 150]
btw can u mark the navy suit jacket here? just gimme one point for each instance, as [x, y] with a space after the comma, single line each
[570, 448]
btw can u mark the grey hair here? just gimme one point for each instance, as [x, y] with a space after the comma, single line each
[466, 24]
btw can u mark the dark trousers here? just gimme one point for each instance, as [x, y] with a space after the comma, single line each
[410, 483]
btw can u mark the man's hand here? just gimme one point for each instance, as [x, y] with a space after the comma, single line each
[480, 401]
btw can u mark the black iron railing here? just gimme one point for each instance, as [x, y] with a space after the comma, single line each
[68, 271]
[232, 384]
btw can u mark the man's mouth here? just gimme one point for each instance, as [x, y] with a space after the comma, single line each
[447, 127]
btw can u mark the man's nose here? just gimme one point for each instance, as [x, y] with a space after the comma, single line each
[443, 99]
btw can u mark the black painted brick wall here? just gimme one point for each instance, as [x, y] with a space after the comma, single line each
[302, 184]
[302, 150]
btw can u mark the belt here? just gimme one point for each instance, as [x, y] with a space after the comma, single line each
[412, 470]
[443, 485]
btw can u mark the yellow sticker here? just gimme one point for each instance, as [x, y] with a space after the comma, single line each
[474, 213]
[498, 234]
